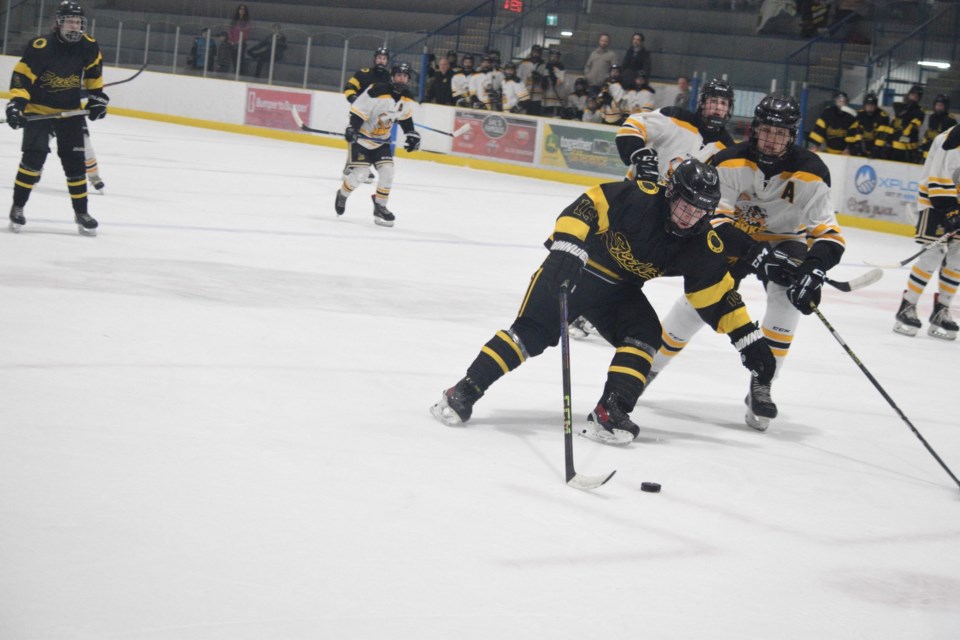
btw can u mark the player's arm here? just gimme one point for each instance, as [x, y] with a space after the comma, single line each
[353, 88]
[819, 134]
[584, 217]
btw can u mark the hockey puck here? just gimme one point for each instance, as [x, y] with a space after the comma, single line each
[650, 487]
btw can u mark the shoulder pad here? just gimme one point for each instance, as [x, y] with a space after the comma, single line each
[953, 139]
[808, 162]
[377, 90]
[740, 150]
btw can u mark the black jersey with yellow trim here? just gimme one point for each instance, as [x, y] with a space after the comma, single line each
[363, 79]
[622, 225]
[52, 73]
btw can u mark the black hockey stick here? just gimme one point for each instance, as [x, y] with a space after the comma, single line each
[52, 116]
[861, 281]
[574, 479]
[456, 134]
[300, 123]
[139, 71]
[942, 240]
[885, 395]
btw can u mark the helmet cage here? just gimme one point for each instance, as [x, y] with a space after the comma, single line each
[715, 89]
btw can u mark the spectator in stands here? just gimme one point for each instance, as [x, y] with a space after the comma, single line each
[577, 101]
[683, 93]
[599, 62]
[592, 113]
[554, 90]
[261, 51]
[203, 51]
[452, 58]
[239, 36]
[223, 61]
[636, 59]
[438, 90]
[641, 96]
[531, 71]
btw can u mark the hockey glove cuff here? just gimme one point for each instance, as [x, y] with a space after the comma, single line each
[413, 142]
[754, 352]
[350, 135]
[805, 291]
[15, 117]
[562, 267]
[97, 105]
[770, 265]
[645, 164]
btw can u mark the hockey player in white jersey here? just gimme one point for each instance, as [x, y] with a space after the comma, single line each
[939, 215]
[775, 202]
[372, 117]
[514, 97]
[676, 134]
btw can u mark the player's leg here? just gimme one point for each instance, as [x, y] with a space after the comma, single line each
[90, 160]
[69, 132]
[34, 148]
[942, 324]
[385, 169]
[679, 326]
[358, 162]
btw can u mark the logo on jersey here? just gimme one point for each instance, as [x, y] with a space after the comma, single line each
[39, 43]
[52, 83]
[648, 187]
[714, 242]
[865, 179]
[750, 218]
[494, 126]
[619, 249]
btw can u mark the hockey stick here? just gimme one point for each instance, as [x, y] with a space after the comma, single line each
[299, 121]
[942, 240]
[139, 71]
[861, 281]
[52, 116]
[456, 134]
[881, 390]
[575, 480]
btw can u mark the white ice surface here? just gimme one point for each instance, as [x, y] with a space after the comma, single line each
[214, 425]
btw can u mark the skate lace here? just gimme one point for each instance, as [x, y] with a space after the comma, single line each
[760, 392]
[942, 316]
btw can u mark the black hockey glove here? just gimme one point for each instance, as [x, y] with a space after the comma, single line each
[350, 135]
[770, 265]
[645, 164]
[805, 291]
[15, 117]
[754, 352]
[97, 105]
[562, 267]
[951, 221]
[413, 141]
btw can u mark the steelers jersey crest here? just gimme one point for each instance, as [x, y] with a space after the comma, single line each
[39, 43]
[648, 187]
[714, 242]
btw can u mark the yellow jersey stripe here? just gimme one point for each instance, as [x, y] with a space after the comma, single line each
[602, 207]
[711, 295]
[23, 69]
[733, 320]
[572, 226]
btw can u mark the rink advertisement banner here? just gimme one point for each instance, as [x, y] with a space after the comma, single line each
[881, 190]
[271, 108]
[492, 135]
[581, 149]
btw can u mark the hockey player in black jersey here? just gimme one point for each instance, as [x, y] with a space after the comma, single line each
[617, 236]
[937, 122]
[837, 129]
[901, 140]
[48, 80]
[872, 120]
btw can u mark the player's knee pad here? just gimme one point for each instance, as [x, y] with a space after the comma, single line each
[355, 173]
[931, 259]
[533, 336]
[385, 171]
[33, 160]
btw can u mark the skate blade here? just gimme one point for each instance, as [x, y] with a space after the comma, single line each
[577, 333]
[15, 228]
[905, 329]
[619, 437]
[86, 232]
[442, 412]
[383, 223]
[942, 334]
[756, 422]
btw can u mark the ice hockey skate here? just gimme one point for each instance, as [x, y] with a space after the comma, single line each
[580, 329]
[456, 403]
[340, 205]
[17, 218]
[760, 407]
[609, 423]
[86, 224]
[942, 324]
[381, 215]
[907, 321]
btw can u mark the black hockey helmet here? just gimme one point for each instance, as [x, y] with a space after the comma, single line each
[917, 89]
[871, 98]
[467, 57]
[693, 193]
[70, 9]
[381, 51]
[944, 99]
[509, 70]
[554, 53]
[715, 88]
[398, 70]
[841, 95]
[778, 111]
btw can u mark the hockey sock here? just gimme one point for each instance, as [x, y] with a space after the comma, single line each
[23, 185]
[502, 354]
[627, 374]
[77, 186]
[949, 281]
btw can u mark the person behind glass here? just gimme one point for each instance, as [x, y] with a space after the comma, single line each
[683, 93]
[901, 140]
[611, 97]
[514, 93]
[224, 59]
[553, 84]
[599, 62]
[438, 88]
[636, 59]
[836, 130]
[204, 49]
[577, 100]
[591, 111]
[530, 71]
[261, 51]
[239, 35]
[641, 97]
[937, 122]
[871, 120]
[48, 79]
[460, 82]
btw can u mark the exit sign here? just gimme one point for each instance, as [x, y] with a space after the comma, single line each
[513, 5]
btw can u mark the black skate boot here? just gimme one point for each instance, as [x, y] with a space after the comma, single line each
[17, 218]
[340, 205]
[941, 323]
[456, 404]
[760, 406]
[86, 223]
[609, 423]
[907, 321]
[381, 215]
